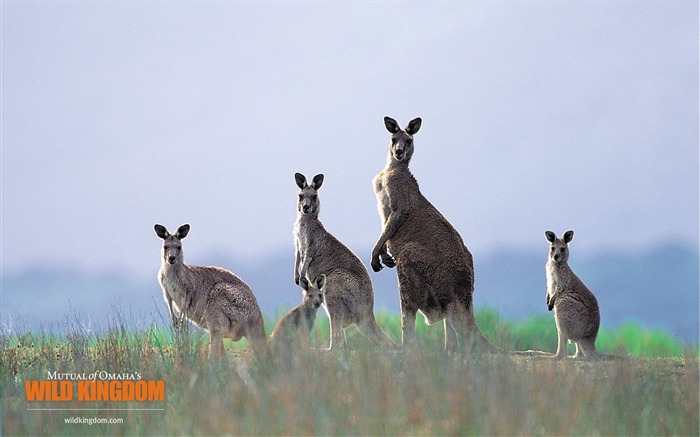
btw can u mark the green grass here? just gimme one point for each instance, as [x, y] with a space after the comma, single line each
[365, 391]
[534, 333]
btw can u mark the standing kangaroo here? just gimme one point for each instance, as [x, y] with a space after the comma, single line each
[349, 296]
[576, 312]
[434, 268]
[299, 321]
[211, 297]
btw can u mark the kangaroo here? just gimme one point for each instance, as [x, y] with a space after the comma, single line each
[299, 321]
[435, 269]
[349, 297]
[211, 297]
[576, 311]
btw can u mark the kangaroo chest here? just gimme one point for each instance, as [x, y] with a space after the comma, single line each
[310, 242]
[558, 278]
[380, 190]
[304, 234]
[308, 318]
[393, 187]
[174, 287]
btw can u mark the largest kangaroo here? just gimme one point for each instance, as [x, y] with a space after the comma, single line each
[435, 269]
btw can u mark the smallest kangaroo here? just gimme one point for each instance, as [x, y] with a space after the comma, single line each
[211, 297]
[576, 311]
[299, 321]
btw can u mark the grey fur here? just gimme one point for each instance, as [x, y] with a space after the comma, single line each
[576, 311]
[211, 297]
[349, 296]
[434, 268]
[299, 321]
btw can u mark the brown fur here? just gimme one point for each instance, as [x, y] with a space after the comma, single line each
[349, 297]
[211, 297]
[434, 268]
[576, 311]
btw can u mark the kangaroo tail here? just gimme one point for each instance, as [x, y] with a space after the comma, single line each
[477, 339]
[371, 329]
[480, 343]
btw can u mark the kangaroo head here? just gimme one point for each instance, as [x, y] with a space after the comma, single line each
[559, 247]
[401, 148]
[172, 245]
[313, 292]
[308, 203]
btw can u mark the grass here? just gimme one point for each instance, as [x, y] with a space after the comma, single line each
[364, 391]
[534, 333]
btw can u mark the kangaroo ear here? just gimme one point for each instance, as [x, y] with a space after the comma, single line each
[161, 231]
[414, 126]
[301, 180]
[391, 125]
[550, 236]
[304, 283]
[317, 182]
[182, 231]
[321, 281]
[568, 236]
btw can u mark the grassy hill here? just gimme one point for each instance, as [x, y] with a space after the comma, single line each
[365, 391]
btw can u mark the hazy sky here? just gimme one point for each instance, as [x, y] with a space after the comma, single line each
[536, 116]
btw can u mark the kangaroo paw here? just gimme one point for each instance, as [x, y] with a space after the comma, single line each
[388, 260]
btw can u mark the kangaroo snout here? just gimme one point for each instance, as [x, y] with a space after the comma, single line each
[171, 253]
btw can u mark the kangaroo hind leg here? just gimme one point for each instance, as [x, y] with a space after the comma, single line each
[216, 345]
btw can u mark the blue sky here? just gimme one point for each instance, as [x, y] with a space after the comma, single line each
[536, 116]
